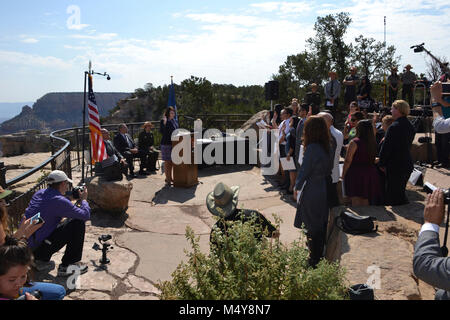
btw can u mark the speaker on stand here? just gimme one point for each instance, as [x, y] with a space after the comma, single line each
[272, 90]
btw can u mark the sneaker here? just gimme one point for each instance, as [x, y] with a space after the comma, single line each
[65, 271]
[40, 265]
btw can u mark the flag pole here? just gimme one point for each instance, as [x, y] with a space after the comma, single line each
[83, 144]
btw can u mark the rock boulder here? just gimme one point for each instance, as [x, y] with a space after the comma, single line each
[109, 196]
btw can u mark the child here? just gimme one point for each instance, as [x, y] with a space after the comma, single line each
[15, 262]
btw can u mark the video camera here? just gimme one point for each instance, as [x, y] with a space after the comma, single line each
[106, 247]
[429, 188]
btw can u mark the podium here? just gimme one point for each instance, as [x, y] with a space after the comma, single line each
[185, 175]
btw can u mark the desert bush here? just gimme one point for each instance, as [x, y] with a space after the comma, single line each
[241, 267]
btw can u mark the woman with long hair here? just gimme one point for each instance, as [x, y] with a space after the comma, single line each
[312, 207]
[167, 127]
[360, 175]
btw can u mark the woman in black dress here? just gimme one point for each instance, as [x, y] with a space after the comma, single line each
[167, 127]
[145, 145]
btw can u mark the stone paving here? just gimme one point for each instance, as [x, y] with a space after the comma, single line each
[148, 240]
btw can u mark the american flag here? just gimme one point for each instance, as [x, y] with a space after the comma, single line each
[98, 149]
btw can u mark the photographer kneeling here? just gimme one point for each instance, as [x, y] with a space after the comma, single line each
[53, 206]
[429, 264]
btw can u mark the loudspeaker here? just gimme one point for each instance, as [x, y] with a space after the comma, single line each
[272, 90]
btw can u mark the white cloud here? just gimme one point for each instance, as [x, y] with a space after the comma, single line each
[30, 40]
[77, 27]
[100, 36]
[31, 60]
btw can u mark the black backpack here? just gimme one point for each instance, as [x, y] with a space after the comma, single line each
[354, 224]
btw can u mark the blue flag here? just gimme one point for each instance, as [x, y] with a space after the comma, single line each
[172, 101]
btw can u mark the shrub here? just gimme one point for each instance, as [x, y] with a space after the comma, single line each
[241, 267]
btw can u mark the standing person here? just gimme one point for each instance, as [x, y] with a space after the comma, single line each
[167, 127]
[332, 92]
[364, 90]
[290, 151]
[350, 82]
[441, 125]
[145, 144]
[360, 175]
[408, 78]
[312, 208]
[313, 99]
[304, 108]
[393, 81]
[295, 107]
[53, 206]
[337, 142]
[286, 115]
[124, 143]
[395, 154]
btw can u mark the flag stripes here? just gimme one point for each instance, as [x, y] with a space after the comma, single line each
[98, 149]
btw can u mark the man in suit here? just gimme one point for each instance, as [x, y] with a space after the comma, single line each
[428, 263]
[126, 146]
[303, 112]
[115, 165]
[395, 154]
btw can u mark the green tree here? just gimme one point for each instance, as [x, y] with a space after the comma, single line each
[197, 96]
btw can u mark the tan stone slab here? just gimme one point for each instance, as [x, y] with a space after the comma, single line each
[27, 160]
[159, 254]
[140, 285]
[166, 219]
[135, 296]
[393, 258]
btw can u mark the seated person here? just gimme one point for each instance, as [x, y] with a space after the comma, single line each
[222, 202]
[53, 206]
[145, 143]
[126, 146]
[49, 291]
[115, 165]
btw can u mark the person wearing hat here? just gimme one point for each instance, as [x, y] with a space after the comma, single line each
[54, 206]
[393, 81]
[408, 78]
[222, 202]
[350, 82]
[332, 92]
[145, 145]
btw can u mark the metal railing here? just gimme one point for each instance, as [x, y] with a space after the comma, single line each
[60, 160]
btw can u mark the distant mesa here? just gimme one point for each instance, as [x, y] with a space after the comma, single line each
[56, 111]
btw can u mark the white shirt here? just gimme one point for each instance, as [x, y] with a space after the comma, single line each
[441, 125]
[286, 129]
[335, 174]
[429, 227]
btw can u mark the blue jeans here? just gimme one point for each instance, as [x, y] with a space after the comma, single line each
[50, 291]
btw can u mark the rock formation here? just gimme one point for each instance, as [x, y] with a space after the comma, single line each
[58, 111]
[109, 196]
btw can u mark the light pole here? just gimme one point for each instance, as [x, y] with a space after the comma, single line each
[86, 74]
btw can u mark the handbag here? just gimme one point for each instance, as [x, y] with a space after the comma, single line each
[354, 224]
[361, 292]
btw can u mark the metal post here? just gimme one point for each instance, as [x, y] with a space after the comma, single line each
[77, 146]
[84, 124]
[3, 175]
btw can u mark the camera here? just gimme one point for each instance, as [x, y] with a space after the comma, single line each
[446, 88]
[429, 188]
[37, 294]
[76, 192]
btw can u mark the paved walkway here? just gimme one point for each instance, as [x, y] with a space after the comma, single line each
[149, 242]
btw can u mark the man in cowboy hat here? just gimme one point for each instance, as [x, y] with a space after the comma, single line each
[408, 78]
[393, 81]
[222, 202]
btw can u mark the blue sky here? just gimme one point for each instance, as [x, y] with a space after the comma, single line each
[45, 45]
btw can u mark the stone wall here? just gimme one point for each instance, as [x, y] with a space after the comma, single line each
[24, 142]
